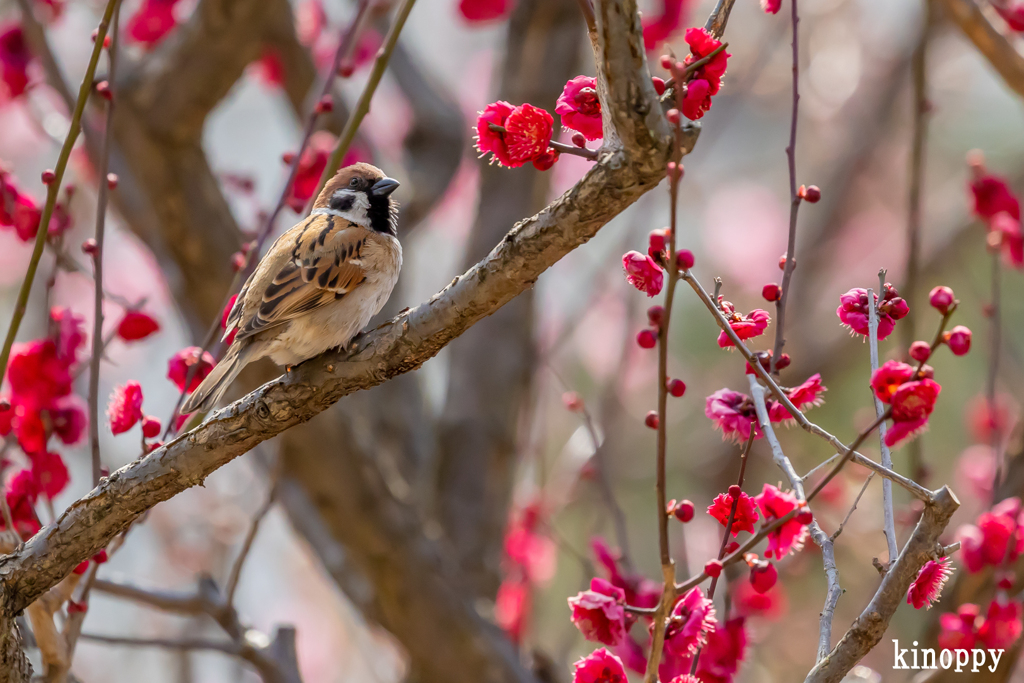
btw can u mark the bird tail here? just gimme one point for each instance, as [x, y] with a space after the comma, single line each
[211, 390]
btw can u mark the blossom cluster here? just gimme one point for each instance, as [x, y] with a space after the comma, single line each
[999, 207]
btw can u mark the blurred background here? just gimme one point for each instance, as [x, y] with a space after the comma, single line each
[477, 453]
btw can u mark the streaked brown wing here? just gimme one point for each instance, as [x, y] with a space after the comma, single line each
[324, 266]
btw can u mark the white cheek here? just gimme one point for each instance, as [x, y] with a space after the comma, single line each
[356, 213]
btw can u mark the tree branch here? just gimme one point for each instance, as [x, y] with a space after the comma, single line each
[869, 627]
[992, 44]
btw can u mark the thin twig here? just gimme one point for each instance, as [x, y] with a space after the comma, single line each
[794, 204]
[363, 105]
[728, 533]
[993, 366]
[53, 188]
[250, 536]
[853, 508]
[588, 15]
[828, 555]
[888, 520]
[913, 487]
[97, 259]
[227, 647]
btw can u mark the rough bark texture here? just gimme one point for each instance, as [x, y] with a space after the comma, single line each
[869, 627]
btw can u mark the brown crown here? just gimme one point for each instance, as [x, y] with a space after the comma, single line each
[342, 178]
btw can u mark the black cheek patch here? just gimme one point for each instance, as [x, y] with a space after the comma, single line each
[342, 202]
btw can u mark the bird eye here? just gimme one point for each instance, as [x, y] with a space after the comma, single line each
[354, 182]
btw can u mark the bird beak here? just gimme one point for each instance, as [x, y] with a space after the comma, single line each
[384, 187]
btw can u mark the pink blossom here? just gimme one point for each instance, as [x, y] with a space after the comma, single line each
[925, 589]
[771, 605]
[481, 11]
[512, 607]
[1002, 626]
[746, 326]
[790, 537]
[992, 195]
[526, 548]
[180, 363]
[692, 618]
[697, 99]
[600, 666]
[987, 421]
[1011, 238]
[136, 325]
[912, 404]
[14, 61]
[125, 407]
[599, 614]
[527, 134]
[69, 420]
[1012, 14]
[853, 311]
[771, 6]
[50, 472]
[152, 21]
[733, 413]
[746, 512]
[662, 26]
[960, 630]
[721, 657]
[805, 396]
[888, 378]
[580, 108]
[985, 542]
[640, 591]
[642, 272]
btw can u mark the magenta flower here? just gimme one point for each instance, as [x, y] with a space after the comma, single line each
[125, 408]
[960, 630]
[912, 404]
[1002, 626]
[888, 378]
[929, 582]
[600, 666]
[791, 535]
[692, 618]
[853, 311]
[746, 511]
[580, 108]
[642, 272]
[747, 326]
[804, 397]
[599, 614]
[733, 413]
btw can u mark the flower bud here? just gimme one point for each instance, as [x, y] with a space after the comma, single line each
[655, 315]
[287, 158]
[237, 261]
[325, 105]
[683, 511]
[346, 69]
[659, 85]
[771, 292]
[684, 259]
[646, 339]
[652, 420]
[735, 491]
[657, 240]
[810, 193]
[713, 568]
[572, 401]
[805, 516]
[112, 181]
[920, 351]
[783, 362]
[782, 262]
[674, 171]
[104, 91]
[959, 340]
[546, 160]
[763, 576]
[926, 372]
[676, 387]
[941, 298]
[579, 140]
[89, 247]
[150, 427]
[673, 116]
[732, 547]
[1004, 581]
[666, 62]
[48, 176]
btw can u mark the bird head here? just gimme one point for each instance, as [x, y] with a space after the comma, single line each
[361, 193]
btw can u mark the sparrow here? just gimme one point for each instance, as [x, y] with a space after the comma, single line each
[318, 285]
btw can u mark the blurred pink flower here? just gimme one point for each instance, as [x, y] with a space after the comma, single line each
[996, 535]
[960, 630]
[748, 602]
[179, 364]
[600, 666]
[1012, 13]
[152, 21]
[1002, 626]
[480, 11]
[512, 607]
[125, 407]
[660, 28]
[987, 422]
[14, 61]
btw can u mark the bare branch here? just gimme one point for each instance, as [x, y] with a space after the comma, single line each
[888, 520]
[869, 627]
[992, 44]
